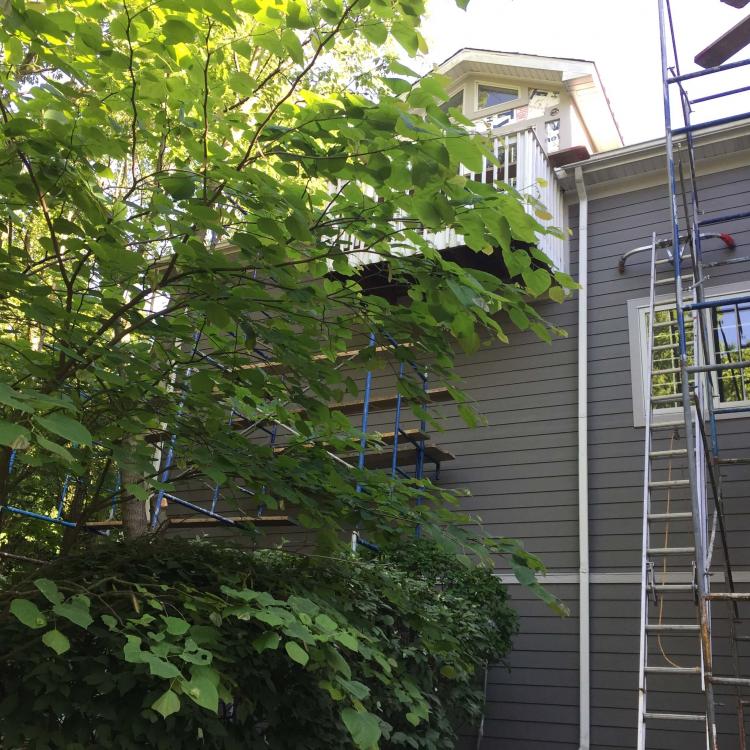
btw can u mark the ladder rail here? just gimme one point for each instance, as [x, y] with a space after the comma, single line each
[643, 659]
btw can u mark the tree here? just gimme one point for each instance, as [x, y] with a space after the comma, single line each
[188, 187]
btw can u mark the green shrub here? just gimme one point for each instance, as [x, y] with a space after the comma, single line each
[176, 644]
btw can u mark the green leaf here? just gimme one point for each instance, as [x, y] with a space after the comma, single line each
[12, 398]
[57, 641]
[363, 726]
[202, 690]
[537, 281]
[65, 427]
[326, 624]
[266, 641]
[76, 609]
[14, 51]
[296, 652]
[347, 640]
[58, 450]
[176, 30]
[49, 590]
[109, 621]
[161, 667]
[14, 436]
[356, 689]
[465, 150]
[28, 613]
[180, 187]
[557, 294]
[176, 625]
[167, 703]
[132, 650]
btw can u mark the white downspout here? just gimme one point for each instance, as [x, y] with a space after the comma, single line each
[583, 469]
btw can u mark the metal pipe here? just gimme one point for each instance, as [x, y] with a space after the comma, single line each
[584, 636]
[720, 94]
[708, 303]
[727, 239]
[708, 71]
[712, 123]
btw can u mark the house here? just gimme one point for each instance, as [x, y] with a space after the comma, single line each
[560, 463]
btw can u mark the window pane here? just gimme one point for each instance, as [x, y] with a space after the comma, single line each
[731, 332]
[490, 96]
[456, 101]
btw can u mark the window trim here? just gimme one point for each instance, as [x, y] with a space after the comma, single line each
[519, 101]
[638, 341]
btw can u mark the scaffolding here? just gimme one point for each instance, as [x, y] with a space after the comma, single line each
[405, 452]
[684, 498]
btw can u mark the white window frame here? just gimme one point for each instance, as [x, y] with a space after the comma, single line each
[519, 101]
[638, 340]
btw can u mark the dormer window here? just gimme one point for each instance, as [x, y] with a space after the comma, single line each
[491, 96]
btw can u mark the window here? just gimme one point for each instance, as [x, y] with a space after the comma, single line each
[728, 328]
[491, 96]
[455, 102]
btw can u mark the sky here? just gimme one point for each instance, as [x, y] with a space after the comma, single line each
[621, 37]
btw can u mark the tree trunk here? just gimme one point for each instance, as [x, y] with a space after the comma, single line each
[135, 521]
[75, 511]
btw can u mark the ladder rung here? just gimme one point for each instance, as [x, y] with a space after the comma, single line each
[669, 453]
[669, 483]
[660, 551]
[662, 347]
[671, 324]
[667, 424]
[674, 717]
[667, 587]
[666, 371]
[666, 399]
[663, 282]
[673, 670]
[732, 461]
[664, 627]
[686, 516]
[742, 638]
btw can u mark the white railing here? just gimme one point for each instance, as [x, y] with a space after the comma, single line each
[521, 163]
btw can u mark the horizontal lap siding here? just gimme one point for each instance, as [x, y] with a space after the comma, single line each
[532, 703]
[617, 224]
[521, 465]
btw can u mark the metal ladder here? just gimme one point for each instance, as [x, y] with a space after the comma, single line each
[697, 454]
[667, 512]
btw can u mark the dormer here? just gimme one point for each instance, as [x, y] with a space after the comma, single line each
[562, 99]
